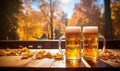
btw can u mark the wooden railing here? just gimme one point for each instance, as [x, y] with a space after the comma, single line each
[43, 44]
[49, 44]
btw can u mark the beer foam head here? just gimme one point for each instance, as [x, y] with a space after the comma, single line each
[73, 29]
[90, 29]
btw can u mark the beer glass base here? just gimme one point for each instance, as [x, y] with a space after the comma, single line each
[74, 63]
[91, 58]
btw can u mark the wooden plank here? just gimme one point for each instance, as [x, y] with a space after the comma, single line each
[45, 44]
[113, 62]
[13, 61]
[97, 63]
[67, 64]
[16, 61]
[50, 44]
[58, 64]
[42, 63]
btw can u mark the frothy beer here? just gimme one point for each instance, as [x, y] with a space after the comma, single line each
[73, 42]
[90, 42]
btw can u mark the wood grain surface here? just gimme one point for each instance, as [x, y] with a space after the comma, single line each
[16, 61]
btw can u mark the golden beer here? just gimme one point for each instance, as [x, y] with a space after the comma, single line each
[73, 42]
[90, 42]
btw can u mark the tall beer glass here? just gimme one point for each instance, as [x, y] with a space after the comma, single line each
[90, 42]
[72, 42]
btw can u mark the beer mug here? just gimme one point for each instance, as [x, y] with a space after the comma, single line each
[72, 43]
[90, 42]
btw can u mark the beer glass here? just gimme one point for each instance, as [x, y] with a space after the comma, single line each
[72, 43]
[90, 42]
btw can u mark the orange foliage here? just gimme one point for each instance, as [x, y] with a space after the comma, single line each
[78, 19]
[30, 26]
[33, 24]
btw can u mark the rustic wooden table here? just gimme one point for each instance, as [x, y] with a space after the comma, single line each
[16, 61]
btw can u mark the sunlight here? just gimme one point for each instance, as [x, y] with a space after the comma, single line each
[65, 1]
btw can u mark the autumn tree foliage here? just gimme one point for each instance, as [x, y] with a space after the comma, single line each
[20, 20]
[87, 12]
[115, 15]
[34, 25]
[29, 26]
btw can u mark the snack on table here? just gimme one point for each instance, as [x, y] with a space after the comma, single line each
[58, 56]
[48, 55]
[27, 54]
[107, 55]
[7, 52]
[40, 54]
[3, 53]
[12, 52]
[110, 55]
[44, 54]
[24, 49]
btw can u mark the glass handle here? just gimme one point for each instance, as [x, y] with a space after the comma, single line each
[59, 44]
[104, 42]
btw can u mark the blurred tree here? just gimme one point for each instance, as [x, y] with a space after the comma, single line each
[87, 12]
[48, 9]
[54, 15]
[31, 22]
[45, 10]
[51, 17]
[64, 19]
[9, 9]
[108, 31]
[35, 25]
[30, 26]
[115, 12]
[57, 33]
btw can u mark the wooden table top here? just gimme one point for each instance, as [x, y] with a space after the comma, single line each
[16, 61]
